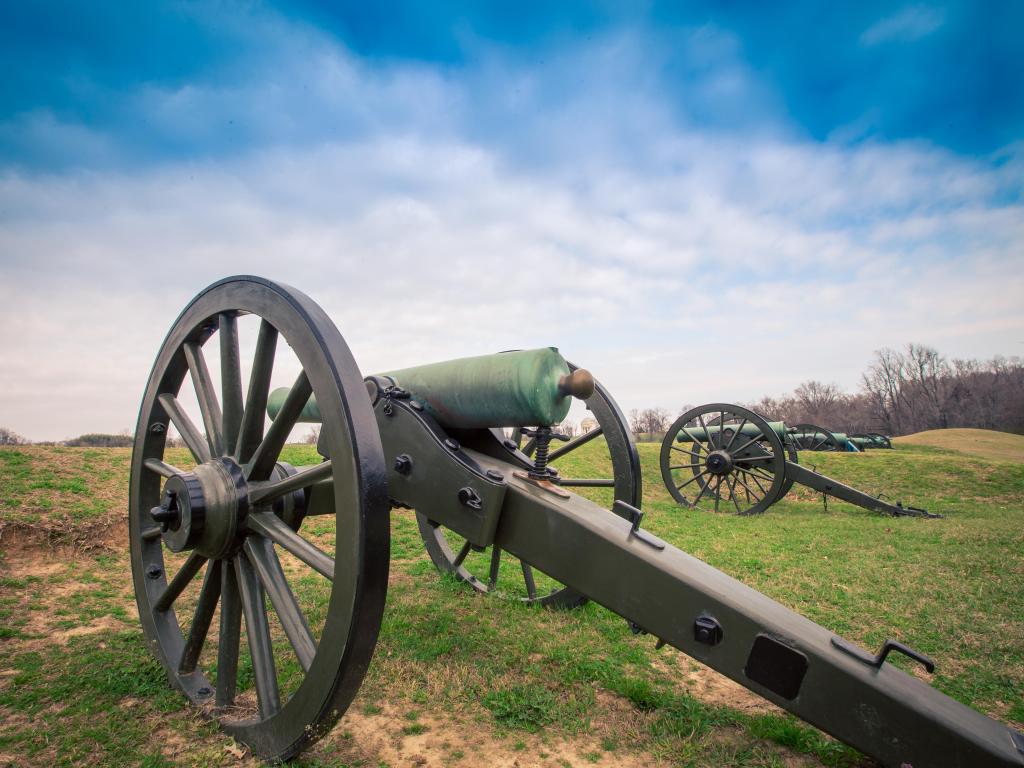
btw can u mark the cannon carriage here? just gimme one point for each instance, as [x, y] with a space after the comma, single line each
[300, 555]
[727, 458]
[811, 437]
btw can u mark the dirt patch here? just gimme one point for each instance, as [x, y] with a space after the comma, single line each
[711, 687]
[53, 586]
[389, 737]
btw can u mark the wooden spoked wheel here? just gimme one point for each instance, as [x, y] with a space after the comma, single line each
[723, 458]
[811, 437]
[618, 478]
[220, 537]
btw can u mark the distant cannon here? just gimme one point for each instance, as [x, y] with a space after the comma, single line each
[866, 440]
[811, 437]
[301, 554]
[723, 455]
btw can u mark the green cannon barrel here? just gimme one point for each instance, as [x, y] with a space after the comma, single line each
[863, 442]
[690, 434]
[511, 389]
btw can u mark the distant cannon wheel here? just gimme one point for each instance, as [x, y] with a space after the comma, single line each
[866, 440]
[618, 478]
[723, 457]
[811, 437]
[882, 441]
[224, 530]
[792, 456]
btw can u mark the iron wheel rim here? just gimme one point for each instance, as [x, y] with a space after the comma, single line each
[361, 523]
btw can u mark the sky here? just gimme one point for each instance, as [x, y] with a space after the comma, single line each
[698, 203]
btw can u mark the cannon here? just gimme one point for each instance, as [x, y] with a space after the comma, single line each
[811, 437]
[300, 555]
[454, 554]
[866, 440]
[721, 454]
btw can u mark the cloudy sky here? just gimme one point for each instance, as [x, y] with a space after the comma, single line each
[695, 203]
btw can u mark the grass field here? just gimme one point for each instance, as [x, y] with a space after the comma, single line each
[465, 680]
[986, 443]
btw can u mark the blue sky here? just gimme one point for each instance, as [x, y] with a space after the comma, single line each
[666, 172]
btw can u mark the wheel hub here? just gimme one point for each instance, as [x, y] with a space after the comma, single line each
[719, 463]
[202, 509]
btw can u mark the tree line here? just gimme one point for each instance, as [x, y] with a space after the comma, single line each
[901, 392]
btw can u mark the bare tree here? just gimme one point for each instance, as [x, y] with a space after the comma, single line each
[10, 437]
[312, 436]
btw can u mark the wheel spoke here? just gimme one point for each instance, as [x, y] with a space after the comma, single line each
[718, 491]
[302, 479]
[162, 468]
[270, 525]
[749, 442]
[265, 456]
[459, 558]
[531, 585]
[735, 434]
[695, 454]
[732, 494]
[707, 434]
[695, 477]
[750, 459]
[205, 606]
[192, 437]
[231, 380]
[697, 443]
[257, 630]
[208, 405]
[700, 495]
[575, 443]
[748, 489]
[230, 635]
[492, 577]
[754, 477]
[268, 569]
[250, 433]
[181, 580]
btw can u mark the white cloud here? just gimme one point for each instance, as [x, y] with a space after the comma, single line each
[712, 287]
[907, 25]
[684, 266]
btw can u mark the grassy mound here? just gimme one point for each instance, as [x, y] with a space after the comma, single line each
[986, 443]
[464, 680]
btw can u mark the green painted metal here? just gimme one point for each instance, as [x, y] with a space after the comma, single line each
[807, 669]
[510, 389]
[690, 434]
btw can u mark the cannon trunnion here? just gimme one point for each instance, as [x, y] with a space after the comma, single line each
[242, 511]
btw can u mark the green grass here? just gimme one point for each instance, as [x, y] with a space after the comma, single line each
[450, 663]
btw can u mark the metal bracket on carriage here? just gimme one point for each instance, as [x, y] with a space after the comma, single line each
[909, 511]
[878, 659]
[634, 516]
